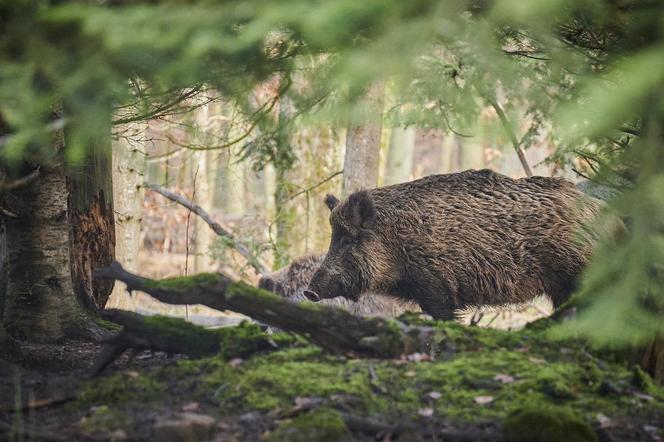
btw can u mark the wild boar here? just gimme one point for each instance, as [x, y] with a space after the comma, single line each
[291, 282]
[449, 242]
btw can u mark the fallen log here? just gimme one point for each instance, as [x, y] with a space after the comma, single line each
[176, 336]
[331, 328]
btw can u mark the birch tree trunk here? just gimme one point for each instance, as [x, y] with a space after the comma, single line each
[63, 230]
[400, 155]
[363, 147]
[285, 214]
[128, 175]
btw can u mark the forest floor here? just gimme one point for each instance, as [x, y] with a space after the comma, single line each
[480, 384]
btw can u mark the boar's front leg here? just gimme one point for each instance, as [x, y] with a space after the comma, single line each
[436, 305]
[438, 302]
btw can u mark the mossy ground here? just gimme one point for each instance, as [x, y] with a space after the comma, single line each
[478, 377]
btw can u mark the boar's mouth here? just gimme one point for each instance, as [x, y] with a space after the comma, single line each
[311, 296]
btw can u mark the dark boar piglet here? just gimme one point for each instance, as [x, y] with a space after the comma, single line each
[449, 242]
[292, 281]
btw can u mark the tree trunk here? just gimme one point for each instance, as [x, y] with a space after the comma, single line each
[92, 221]
[128, 175]
[363, 147]
[40, 300]
[63, 230]
[651, 358]
[400, 155]
[285, 214]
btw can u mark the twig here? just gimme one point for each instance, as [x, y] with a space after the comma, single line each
[21, 182]
[507, 126]
[39, 403]
[309, 189]
[216, 227]
[160, 109]
[53, 126]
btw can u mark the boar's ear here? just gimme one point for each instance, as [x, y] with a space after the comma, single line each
[362, 210]
[331, 201]
[266, 283]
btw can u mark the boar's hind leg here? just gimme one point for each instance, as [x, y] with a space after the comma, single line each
[559, 290]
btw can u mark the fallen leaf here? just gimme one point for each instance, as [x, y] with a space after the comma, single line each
[235, 362]
[191, 406]
[645, 397]
[604, 421]
[483, 400]
[651, 429]
[537, 360]
[426, 412]
[418, 357]
[504, 378]
[434, 395]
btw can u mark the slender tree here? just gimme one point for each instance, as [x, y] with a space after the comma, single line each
[361, 159]
[400, 155]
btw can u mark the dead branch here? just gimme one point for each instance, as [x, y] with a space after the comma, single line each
[509, 130]
[20, 182]
[39, 403]
[218, 228]
[333, 329]
[320, 183]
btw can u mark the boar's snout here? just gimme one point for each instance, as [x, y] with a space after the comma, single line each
[327, 285]
[311, 296]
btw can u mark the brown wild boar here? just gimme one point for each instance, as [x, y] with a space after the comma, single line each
[291, 281]
[449, 242]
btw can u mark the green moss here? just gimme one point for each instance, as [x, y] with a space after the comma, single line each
[322, 424]
[120, 388]
[546, 424]
[105, 420]
[185, 283]
[642, 380]
[178, 333]
[556, 383]
[536, 373]
[108, 325]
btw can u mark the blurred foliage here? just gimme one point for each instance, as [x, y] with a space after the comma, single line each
[590, 71]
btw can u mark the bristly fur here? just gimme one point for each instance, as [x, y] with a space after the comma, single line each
[459, 240]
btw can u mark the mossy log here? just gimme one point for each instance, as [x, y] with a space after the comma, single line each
[175, 335]
[333, 329]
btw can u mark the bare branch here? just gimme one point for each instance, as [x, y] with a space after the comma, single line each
[310, 188]
[509, 130]
[218, 228]
[21, 182]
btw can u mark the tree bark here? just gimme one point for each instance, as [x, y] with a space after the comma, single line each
[61, 230]
[400, 155]
[363, 147]
[128, 175]
[40, 302]
[92, 221]
[285, 213]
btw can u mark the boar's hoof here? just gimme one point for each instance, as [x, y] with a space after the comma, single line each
[311, 296]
